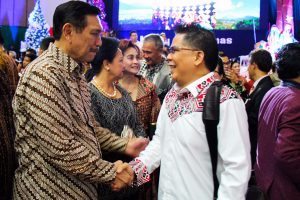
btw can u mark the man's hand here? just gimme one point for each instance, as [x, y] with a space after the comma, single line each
[124, 176]
[231, 76]
[135, 146]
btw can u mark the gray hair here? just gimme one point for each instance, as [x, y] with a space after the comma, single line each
[156, 38]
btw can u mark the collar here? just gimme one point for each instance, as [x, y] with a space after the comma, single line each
[65, 60]
[155, 67]
[193, 87]
[289, 83]
[258, 80]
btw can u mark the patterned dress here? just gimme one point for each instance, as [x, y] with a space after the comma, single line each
[147, 104]
[114, 114]
[58, 141]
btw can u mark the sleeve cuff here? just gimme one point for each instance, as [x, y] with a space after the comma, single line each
[141, 172]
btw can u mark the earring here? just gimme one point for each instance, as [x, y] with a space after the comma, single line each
[107, 68]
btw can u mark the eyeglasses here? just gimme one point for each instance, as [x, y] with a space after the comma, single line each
[173, 49]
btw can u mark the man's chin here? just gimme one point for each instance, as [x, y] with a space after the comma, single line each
[90, 58]
[149, 63]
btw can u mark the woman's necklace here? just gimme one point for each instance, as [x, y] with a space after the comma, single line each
[103, 91]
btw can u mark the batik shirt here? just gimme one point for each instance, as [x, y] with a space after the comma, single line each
[159, 75]
[58, 141]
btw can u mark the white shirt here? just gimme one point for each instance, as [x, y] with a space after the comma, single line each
[258, 80]
[180, 147]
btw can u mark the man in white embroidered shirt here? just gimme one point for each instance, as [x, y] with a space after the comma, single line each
[180, 145]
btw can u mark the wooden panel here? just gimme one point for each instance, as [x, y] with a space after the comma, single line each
[6, 12]
[20, 13]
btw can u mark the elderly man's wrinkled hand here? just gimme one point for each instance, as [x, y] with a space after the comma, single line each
[124, 176]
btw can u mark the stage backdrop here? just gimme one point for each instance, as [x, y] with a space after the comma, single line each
[235, 28]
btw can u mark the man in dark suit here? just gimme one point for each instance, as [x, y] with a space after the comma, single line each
[277, 169]
[259, 66]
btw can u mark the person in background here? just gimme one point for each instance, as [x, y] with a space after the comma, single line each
[226, 61]
[179, 145]
[143, 94]
[237, 81]
[28, 58]
[277, 168]
[154, 66]
[133, 37]
[45, 44]
[30, 51]
[141, 90]
[12, 54]
[113, 107]
[8, 84]
[164, 38]
[58, 142]
[219, 71]
[274, 75]
[260, 63]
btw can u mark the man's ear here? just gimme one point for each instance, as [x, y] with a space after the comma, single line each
[67, 31]
[254, 65]
[199, 58]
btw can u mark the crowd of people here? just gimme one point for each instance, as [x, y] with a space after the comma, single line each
[93, 117]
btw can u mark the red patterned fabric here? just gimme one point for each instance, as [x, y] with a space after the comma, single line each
[183, 102]
[140, 170]
[147, 102]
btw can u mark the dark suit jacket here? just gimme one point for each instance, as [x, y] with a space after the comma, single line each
[252, 108]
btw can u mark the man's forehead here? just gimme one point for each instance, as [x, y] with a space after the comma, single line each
[149, 44]
[94, 22]
[178, 39]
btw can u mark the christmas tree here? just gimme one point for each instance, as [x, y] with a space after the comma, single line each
[38, 29]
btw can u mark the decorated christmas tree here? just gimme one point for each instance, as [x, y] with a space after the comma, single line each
[38, 29]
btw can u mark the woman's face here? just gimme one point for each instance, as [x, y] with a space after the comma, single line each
[131, 61]
[26, 61]
[236, 68]
[116, 67]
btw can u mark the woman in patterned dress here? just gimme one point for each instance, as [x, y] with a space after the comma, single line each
[142, 92]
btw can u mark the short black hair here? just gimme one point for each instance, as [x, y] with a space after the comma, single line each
[46, 42]
[31, 56]
[199, 38]
[30, 51]
[156, 39]
[107, 51]
[288, 61]
[262, 58]
[221, 66]
[73, 12]
[1, 38]
[132, 32]
[235, 60]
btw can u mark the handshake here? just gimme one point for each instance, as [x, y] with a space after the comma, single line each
[124, 176]
[124, 173]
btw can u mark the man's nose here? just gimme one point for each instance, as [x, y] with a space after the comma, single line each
[169, 57]
[99, 42]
